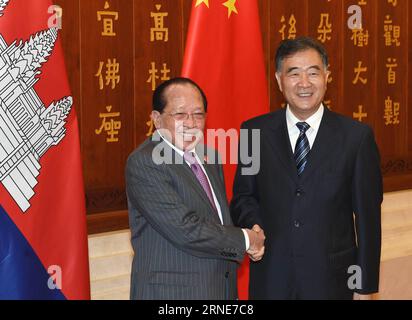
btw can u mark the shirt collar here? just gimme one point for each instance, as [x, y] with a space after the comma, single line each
[178, 150]
[314, 120]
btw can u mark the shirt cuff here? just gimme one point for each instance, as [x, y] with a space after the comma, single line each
[247, 241]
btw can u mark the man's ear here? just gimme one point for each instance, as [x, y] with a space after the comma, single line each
[155, 116]
[277, 75]
[327, 76]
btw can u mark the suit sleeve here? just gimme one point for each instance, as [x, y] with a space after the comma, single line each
[150, 190]
[244, 207]
[367, 196]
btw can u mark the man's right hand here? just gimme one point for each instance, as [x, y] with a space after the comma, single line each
[256, 243]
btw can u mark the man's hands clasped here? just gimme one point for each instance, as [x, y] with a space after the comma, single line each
[257, 243]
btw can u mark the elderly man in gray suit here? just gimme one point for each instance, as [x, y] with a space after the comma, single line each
[185, 245]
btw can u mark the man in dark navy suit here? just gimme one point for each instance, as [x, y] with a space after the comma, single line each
[318, 193]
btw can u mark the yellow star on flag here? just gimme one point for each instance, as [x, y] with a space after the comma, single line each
[199, 2]
[230, 4]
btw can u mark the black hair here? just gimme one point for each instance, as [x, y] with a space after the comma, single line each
[159, 98]
[291, 46]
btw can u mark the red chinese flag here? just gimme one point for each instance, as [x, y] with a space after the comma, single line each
[224, 56]
[43, 237]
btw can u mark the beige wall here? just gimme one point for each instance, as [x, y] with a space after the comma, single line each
[111, 254]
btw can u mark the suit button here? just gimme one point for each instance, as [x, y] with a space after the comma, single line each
[298, 192]
[296, 223]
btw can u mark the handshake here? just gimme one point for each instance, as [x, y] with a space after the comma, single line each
[256, 243]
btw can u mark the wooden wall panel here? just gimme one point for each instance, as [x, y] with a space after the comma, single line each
[158, 54]
[394, 129]
[409, 79]
[392, 100]
[135, 51]
[107, 100]
[359, 69]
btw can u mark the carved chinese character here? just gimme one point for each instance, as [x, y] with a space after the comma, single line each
[112, 76]
[360, 114]
[109, 125]
[153, 72]
[292, 27]
[358, 70]
[324, 28]
[108, 22]
[391, 115]
[360, 37]
[159, 32]
[391, 72]
[392, 33]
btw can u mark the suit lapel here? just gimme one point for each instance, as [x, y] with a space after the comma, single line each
[324, 142]
[218, 188]
[216, 185]
[183, 169]
[280, 142]
[193, 184]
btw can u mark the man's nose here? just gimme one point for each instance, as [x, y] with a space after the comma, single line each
[190, 121]
[304, 80]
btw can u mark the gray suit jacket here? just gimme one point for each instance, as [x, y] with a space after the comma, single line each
[181, 249]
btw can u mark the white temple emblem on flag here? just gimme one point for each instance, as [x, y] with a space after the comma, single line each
[27, 128]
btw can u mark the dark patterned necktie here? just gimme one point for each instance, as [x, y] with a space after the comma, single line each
[200, 175]
[302, 147]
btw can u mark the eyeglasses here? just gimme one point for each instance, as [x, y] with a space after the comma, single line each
[182, 116]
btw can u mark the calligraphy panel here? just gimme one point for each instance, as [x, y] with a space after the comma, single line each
[107, 100]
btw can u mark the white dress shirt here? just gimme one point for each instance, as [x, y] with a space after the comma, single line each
[314, 122]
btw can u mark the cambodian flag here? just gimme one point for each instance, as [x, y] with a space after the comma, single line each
[43, 238]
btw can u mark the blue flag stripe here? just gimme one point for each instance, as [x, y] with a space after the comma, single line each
[22, 275]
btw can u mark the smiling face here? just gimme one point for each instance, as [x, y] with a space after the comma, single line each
[184, 134]
[303, 79]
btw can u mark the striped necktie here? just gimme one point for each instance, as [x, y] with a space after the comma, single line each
[302, 147]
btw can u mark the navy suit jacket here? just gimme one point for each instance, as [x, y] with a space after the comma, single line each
[319, 224]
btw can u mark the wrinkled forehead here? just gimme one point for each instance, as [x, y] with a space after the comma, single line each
[302, 59]
[179, 95]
